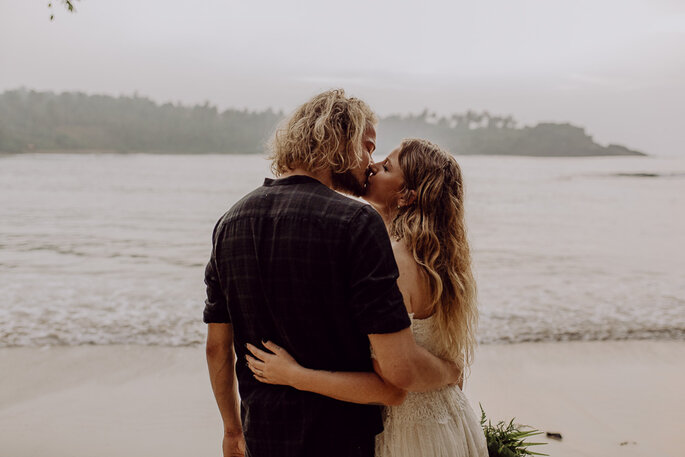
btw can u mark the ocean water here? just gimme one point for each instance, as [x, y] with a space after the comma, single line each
[110, 249]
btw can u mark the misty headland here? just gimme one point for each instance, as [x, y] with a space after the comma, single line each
[32, 121]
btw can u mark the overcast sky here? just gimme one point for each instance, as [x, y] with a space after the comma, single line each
[616, 67]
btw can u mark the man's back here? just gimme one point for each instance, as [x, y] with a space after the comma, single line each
[311, 270]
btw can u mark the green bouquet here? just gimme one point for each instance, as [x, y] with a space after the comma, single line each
[508, 439]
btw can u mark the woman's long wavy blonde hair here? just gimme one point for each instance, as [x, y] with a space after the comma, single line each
[325, 132]
[434, 229]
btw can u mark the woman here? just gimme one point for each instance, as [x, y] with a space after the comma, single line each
[418, 190]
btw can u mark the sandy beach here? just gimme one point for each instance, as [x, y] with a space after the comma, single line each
[605, 398]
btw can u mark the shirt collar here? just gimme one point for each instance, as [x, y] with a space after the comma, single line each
[294, 179]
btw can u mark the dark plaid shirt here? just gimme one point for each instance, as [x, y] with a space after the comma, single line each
[298, 264]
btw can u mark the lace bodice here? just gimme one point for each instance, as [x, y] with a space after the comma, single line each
[440, 423]
[433, 406]
[424, 333]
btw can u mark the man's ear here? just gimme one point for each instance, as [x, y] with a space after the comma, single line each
[408, 198]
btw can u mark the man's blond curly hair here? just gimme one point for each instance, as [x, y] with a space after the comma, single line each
[325, 132]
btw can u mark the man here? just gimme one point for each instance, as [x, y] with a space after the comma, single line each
[298, 264]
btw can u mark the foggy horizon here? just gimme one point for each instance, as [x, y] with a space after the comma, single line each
[617, 68]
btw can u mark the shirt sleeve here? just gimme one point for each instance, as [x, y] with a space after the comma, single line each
[376, 300]
[216, 308]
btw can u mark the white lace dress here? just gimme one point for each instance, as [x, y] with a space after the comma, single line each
[440, 423]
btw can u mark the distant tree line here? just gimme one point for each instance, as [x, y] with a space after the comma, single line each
[45, 121]
[484, 133]
[74, 121]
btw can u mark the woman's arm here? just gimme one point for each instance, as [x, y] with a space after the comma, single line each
[279, 367]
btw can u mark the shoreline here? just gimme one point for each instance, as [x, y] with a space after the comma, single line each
[72, 401]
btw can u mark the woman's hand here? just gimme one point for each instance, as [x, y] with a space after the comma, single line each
[275, 367]
[279, 367]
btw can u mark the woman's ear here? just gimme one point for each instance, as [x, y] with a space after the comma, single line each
[407, 199]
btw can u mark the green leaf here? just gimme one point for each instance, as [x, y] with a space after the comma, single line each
[507, 439]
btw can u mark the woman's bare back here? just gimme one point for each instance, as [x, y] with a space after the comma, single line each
[413, 282]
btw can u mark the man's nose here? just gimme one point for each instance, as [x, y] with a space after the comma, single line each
[373, 168]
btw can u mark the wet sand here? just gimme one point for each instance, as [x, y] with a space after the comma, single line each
[156, 401]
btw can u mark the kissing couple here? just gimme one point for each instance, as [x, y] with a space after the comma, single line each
[346, 327]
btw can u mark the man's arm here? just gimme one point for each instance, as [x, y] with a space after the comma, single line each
[221, 363]
[411, 367]
[378, 309]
